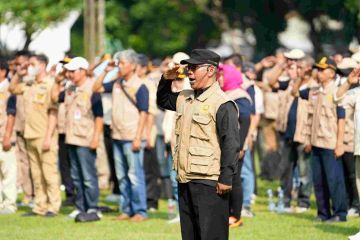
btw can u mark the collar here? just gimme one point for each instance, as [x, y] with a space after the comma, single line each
[203, 94]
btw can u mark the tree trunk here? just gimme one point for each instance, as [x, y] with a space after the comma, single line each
[27, 40]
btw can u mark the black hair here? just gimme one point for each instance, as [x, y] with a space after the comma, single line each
[42, 58]
[24, 53]
[4, 66]
[236, 59]
[143, 60]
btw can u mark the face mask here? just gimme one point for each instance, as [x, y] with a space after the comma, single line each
[33, 71]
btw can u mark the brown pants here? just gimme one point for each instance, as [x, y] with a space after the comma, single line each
[45, 174]
[24, 179]
[269, 133]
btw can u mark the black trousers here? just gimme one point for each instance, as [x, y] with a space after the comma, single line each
[152, 173]
[348, 160]
[236, 194]
[64, 165]
[110, 155]
[204, 215]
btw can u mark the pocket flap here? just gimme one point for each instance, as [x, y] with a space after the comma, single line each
[201, 119]
[200, 151]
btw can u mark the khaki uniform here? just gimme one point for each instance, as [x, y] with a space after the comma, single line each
[43, 164]
[322, 117]
[125, 116]
[24, 179]
[7, 159]
[285, 102]
[197, 151]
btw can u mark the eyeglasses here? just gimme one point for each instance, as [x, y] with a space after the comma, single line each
[193, 68]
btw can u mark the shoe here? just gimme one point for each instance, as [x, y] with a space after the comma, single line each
[319, 219]
[152, 210]
[246, 212]
[96, 211]
[122, 217]
[29, 204]
[112, 198]
[30, 214]
[50, 214]
[355, 237]
[74, 213]
[6, 210]
[336, 219]
[137, 218]
[174, 220]
[233, 222]
[87, 217]
[301, 209]
[353, 212]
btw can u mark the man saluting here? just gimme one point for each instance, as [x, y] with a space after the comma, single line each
[207, 146]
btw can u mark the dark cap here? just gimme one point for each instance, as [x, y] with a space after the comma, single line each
[202, 56]
[325, 63]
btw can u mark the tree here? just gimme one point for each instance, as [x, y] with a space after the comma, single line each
[35, 15]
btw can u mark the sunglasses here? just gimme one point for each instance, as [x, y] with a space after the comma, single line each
[193, 68]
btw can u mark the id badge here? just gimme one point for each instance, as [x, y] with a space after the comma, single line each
[77, 114]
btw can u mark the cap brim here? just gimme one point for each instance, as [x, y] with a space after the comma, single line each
[191, 61]
[324, 66]
[71, 67]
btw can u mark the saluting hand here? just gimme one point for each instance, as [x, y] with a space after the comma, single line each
[172, 73]
[222, 188]
[354, 76]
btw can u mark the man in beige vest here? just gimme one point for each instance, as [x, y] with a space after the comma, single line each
[7, 154]
[83, 128]
[207, 146]
[41, 140]
[24, 179]
[129, 113]
[326, 132]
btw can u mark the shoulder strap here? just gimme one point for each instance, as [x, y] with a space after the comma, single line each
[127, 94]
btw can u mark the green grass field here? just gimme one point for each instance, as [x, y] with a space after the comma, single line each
[266, 225]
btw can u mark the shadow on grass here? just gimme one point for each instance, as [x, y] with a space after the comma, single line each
[337, 229]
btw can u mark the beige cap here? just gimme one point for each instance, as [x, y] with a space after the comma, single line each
[347, 63]
[77, 63]
[295, 54]
[179, 56]
[356, 57]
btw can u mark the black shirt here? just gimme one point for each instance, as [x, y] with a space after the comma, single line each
[227, 128]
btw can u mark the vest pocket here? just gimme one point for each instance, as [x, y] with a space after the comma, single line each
[81, 130]
[201, 128]
[200, 160]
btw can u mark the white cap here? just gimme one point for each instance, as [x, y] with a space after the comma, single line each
[295, 54]
[179, 56]
[356, 57]
[77, 63]
[347, 63]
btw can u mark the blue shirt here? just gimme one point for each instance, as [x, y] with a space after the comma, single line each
[340, 111]
[11, 105]
[251, 91]
[142, 95]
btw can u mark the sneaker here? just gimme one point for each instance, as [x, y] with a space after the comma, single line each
[289, 210]
[122, 217]
[152, 210]
[98, 213]
[301, 209]
[74, 213]
[246, 212]
[6, 210]
[137, 218]
[50, 214]
[175, 220]
[336, 219]
[112, 198]
[353, 212]
[355, 237]
[87, 217]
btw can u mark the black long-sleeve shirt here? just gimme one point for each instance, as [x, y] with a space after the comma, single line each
[227, 128]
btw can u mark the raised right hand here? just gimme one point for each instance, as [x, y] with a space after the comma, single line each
[354, 76]
[172, 73]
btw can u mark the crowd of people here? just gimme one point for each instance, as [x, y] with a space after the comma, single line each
[58, 123]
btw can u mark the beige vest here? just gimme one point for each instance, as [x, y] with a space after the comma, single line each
[323, 117]
[80, 121]
[238, 93]
[125, 116]
[37, 103]
[4, 96]
[285, 101]
[197, 151]
[20, 113]
[349, 124]
[271, 105]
